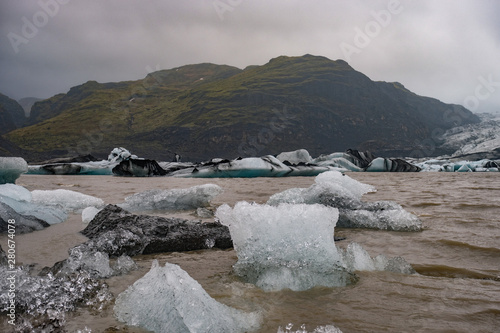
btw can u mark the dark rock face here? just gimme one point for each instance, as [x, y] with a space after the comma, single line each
[116, 232]
[138, 168]
[24, 224]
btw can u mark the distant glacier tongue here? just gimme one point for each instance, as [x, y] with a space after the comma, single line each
[287, 246]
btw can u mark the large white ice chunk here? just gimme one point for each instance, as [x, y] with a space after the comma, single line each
[11, 168]
[295, 157]
[173, 199]
[167, 299]
[70, 201]
[288, 246]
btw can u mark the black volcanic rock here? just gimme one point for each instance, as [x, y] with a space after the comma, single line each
[116, 232]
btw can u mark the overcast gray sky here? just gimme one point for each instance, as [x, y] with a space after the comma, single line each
[447, 49]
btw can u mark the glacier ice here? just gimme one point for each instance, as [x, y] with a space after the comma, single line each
[295, 157]
[11, 168]
[288, 246]
[21, 200]
[15, 192]
[89, 213]
[42, 301]
[167, 299]
[70, 201]
[355, 258]
[334, 189]
[119, 154]
[173, 199]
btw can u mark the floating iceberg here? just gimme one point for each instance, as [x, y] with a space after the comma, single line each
[340, 191]
[11, 168]
[167, 299]
[70, 201]
[21, 201]
[289, 246]
[295, 157]
[173, 199]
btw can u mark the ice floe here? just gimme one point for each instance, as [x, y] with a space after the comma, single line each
[172, 199]
[11, 168]
[70, 201]
[167, 299]
[338, 190]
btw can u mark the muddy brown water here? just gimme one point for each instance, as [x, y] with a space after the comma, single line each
[457, 255]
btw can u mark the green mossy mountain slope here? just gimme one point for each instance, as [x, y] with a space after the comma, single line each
[206, 110]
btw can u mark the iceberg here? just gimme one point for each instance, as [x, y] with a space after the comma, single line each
[89, 213]
[11, 168]
[173, 199]
[24, 224]
[70, 201]
[288, 246]
[167, 299]
[337, 190]
[295, 157]
[21, 201]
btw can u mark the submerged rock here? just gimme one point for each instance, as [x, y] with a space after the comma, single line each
[115, 231]
[167, 299]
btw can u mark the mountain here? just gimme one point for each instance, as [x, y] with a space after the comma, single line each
[11, 114]
[205, 110]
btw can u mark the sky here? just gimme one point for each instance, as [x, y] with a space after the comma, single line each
[446, 49]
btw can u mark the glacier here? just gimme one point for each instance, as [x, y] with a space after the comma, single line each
[172, 199]
[338, 190]
[11, 168]
[302, 329]
[289, 246]
[167, 299]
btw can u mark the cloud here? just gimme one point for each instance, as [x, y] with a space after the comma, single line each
[435, 48]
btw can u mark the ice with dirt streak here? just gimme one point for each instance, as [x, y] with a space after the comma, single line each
[337, 190]
[21, 200]
[288, 246]
[172, 199]
[167, 299]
